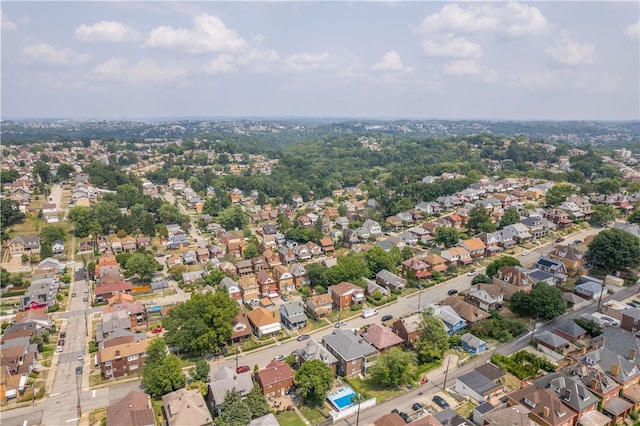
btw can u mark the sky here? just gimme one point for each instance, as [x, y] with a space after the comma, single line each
[555, 60]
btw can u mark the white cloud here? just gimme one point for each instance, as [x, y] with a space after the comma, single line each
[7, 24]
[449, 46]
[209, 34]
[470, 67]
[509, 19]
[259, 60]
[633, 31]
[49, 55]
[391, 61]
[307, 61]
[105, 31]
[220, 65]
[143, 72]
[535, 80]
[572, 53]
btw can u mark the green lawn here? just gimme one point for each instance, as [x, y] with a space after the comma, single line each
[290, 418]
[312, 414]
[373, 389]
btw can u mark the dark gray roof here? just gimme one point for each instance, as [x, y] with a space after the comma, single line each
[538, 275]
[620, 341]
[478, 382]
[484, 408]
[349, 345]
[448, 417]
[570, 328]
[551, 339]
[490, 371]
[572, 392]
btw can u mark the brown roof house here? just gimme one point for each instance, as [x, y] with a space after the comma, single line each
[408, 328]
[122, 360]
[546, 407]
[186, 408]
[470, 313]
[263, 322]
[512, 279]
[276, 379]
[485, 296]
[132, 410]
[381, 337]
[319, 306]
[345, 295]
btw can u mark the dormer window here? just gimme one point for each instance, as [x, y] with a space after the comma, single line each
[530, 403]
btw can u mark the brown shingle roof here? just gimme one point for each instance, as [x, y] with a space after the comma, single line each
[381, 336]
[134, 348]
[261, 316]
[275, 372]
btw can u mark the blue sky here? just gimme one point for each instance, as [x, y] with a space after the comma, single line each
[397, 59]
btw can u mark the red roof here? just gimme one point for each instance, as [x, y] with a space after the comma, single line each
[275, 372]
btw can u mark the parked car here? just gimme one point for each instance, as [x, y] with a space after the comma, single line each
[405, 417]
[452, 292]
[610, 320]
[243, 369]
[79, 370]
[303, 337]
[60, 342]
[296, 352]
[395, 410]
[73, 294]
[63, 334]
[525, 253]
[157, 330]
[279, 357]
[80, 356]
[386, 318]
[85, 299]
[471, 272]
[339, 324]
[442, 403]
[559, 240]
[59, 349]
[417, 406]
[633, 305]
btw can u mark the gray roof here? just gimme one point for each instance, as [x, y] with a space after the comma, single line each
[266, 420]
[605, 358]
[293, 311]
[315, 350]
[472, 341]
[226, 379]
[538, 275]
[620, 341]
[478, 382]
[570, 328]
[590, 287]
[551, 339]
[348, 345]
[572, 392]
[484, 408]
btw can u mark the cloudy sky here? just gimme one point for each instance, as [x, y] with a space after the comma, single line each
[396, 59]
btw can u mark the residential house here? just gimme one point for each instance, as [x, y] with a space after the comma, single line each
[373, 228]
[408, 328]
[272, 258]
[468, 312]
[276, 379]
[571, 257]
[436, 263]
[133, 410]
[284, 279]
[618, 367]
[475, 247]
[381, 337]
[552, 344]
[353, 353]
[116, 244]
[511, 279]
[186, 408]
[476, 386]
[570, 330]
[244, 267]
[345, 295]
[630, 320]
[192, 276]
[573, 393]
[590, 288]
[268, 284]
[519, 231]
[129, 244]
[545, 406]
[143, 242]
[122, 360]
[225, 380]
[559, 217]
[452, 321]
[319, 306]
[390, 280]
[249, 289]
[314, 350]
[457, 256]
[287, 255]
[292, 315]
[57, 247]
[485, 296]
[302, 252]
[553, 267]
[232, 288]
[472, 344]
[263, 322]
[326, 244]
[241, 328]
[24, 244]
[189, 257]
[416, 267]
[203, 254]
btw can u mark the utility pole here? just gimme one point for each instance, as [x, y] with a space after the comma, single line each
[358, 415]
[236, 358]
[533, 332]
[601, 296]
[446, 373]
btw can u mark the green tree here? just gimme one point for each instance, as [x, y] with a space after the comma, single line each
[494, 266]
[557, 194]
[606, 186]
[9, 175]
[82, 219]
[378, 259]
[42, 172]
[314, 379]
[479, 220]
[257, 403]
[396, 367]
[432, 340]
[510, 216]
[634, 217]
[544, 301]
[64, 172]
[161, 372]
[234, 411]
[481, 279]
[602, 214]
[10, 213]
[142, 265]
[201, 370]
[592, 328]
[448, 236]
[202, 324]
[251, 251]
[614, 249]
[233, 217]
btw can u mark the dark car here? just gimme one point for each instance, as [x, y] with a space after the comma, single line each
[63, 334]
[386, 317]
[405, 417]
[339, 324]
[243, 369]
[78, 370]
[559, 240]
[440, 401]
[395, 410]
[303, 337]
[452, 292]
[417, 406]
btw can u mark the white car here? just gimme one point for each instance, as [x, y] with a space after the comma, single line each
[525, 253]
[471, 272]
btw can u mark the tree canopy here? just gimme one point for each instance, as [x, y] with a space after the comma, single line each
[602, 214]
[143, 264]
[544, 301]
[510, 216]
[314, 379]
[234, 411]
[614, 249]
[396, 367]
[202, 324]
[161, 372]
[448, 236]
[557, 194]
[495, 265]
[432, 340]
[479, 220]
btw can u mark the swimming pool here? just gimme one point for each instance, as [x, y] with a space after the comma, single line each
[341, 398]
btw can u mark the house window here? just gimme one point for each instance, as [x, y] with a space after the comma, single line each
[635, 321]
[107, 364]
[132, 357]
[133, 367]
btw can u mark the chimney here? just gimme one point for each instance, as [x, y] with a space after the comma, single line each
[584, 350]
[594, 384]
[632, 355]
[545, 411]
[615, 369]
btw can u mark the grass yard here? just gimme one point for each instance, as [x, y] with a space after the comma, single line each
[313, 325]
[96, 416]
[157, 410]
[313, 414]
[465, 410]
[290, 418]
[373, 389]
